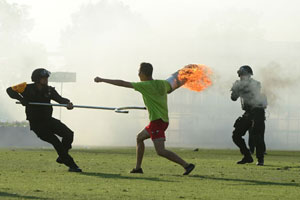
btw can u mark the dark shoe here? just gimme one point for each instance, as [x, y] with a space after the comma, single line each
[260, 162]
[137, 171]
[76, 169]
[245, 160]
[59, 160]
[189, 169]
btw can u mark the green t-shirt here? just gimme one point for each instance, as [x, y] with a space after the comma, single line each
[155, 98]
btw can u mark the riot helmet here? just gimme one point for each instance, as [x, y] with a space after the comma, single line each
[245, 70]
[39, 73]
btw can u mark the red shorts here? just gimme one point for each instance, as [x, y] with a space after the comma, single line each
[157, 129]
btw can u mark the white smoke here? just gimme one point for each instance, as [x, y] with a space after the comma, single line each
[277, 81]
[18, 55]
[110, 39]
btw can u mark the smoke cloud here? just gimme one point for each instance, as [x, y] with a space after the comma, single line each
[276, 80]
[18, 55]
[111, 38]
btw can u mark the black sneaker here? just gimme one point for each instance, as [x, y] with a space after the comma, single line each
[76, 169]
[59, 160]
[245, 160]
[260, 162]
[189, 169]
[137, 171]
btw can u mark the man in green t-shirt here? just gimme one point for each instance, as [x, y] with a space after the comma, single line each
[155, 98]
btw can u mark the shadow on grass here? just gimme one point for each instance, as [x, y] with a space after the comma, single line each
[281, 167]
[119, 176]
[253, 182]
[5, 194]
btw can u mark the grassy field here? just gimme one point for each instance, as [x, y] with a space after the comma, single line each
[34, 174]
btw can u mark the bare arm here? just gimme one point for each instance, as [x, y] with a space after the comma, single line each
[120, 83]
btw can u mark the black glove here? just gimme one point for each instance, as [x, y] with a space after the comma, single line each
[24, 102]
[70, 106]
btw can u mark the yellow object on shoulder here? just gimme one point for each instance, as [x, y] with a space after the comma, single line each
[20, 87]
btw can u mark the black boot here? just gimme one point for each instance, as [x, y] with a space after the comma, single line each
[260, 162]
[59, 160]
[246, 159]
[74, 169]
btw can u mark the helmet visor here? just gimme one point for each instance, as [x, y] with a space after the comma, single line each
[45, 73]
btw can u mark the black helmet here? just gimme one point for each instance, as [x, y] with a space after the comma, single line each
[39, 73]
[245, 70]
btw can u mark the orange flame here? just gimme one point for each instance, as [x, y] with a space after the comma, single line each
[196, 77]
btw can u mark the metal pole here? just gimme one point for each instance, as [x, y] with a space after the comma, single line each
[116, 109]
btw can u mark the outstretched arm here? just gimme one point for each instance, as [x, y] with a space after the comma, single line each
[120, 83]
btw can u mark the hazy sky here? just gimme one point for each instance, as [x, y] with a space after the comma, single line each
[279, 19]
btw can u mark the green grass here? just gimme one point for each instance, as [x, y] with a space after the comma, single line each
[34, 174]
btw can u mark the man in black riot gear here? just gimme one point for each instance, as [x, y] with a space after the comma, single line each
[40, 117]
[254, 104]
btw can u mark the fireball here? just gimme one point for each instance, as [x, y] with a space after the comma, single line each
[196, 77]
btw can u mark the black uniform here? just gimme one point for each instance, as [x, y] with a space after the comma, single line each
[41, 121]
[253, 120]
[251, 143]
